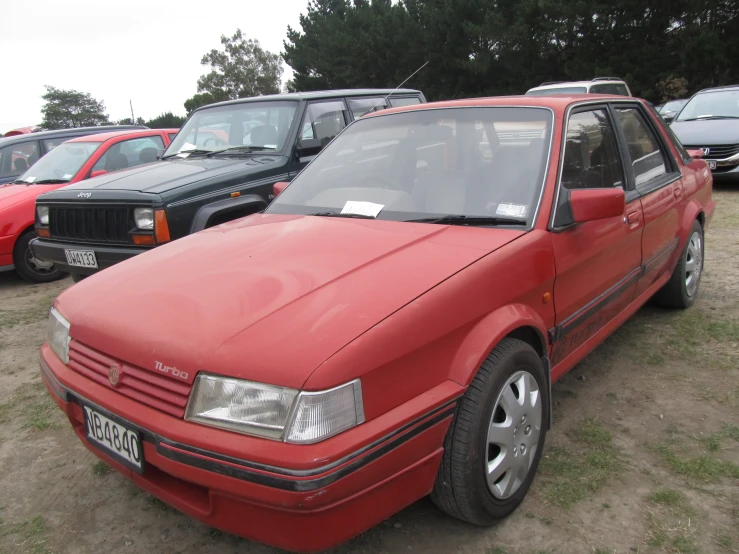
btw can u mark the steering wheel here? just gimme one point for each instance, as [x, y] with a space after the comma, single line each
[375, 178]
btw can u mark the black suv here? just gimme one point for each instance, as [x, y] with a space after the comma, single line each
[19, 152]
[221, 166]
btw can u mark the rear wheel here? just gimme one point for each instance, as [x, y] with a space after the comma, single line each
[682, 288]
[494, 444]
[29, 267]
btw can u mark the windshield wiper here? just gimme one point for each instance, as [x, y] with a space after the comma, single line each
[338, 214]
[241, 149]
[188, 152]
[470, 220]
[706, 117]
[50, 182]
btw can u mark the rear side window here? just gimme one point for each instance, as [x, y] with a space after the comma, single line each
[130, 153]
[590, 157]
[604, 88]
[17, 158]
[410, 101]
[622, 90]
[50, 144]
[361, 106]
[647, 158]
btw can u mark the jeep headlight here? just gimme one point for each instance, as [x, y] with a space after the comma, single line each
[274, 412]
[57, 335]
[43, 214]
[144, 218]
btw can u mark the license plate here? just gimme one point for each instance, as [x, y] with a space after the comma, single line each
[81, 258]
[711, 164]
[116, 440]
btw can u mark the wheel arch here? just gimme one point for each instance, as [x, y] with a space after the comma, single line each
[226, 210]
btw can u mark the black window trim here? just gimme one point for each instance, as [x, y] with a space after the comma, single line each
[672, 172]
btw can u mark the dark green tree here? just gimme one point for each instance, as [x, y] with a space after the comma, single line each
[69, 108]
[203, 99]
[166, 120]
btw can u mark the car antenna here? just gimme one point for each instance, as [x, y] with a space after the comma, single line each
[400, 85]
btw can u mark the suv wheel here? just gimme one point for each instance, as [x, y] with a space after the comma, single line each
[31, 268]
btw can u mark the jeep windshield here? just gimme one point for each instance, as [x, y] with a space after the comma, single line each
[61, 164]
[235, 129]
[720, 104]
[456, 166]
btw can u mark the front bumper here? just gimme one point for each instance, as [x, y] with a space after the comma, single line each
[723, 174]
[106, 256]
[340, 487]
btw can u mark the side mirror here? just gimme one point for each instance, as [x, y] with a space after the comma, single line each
[668, 116]
[594, 204]
[160, 153]
[277, 188]
[695, 152]
[97, 173]
[308, 147]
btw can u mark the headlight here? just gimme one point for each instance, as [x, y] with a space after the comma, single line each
[57, 335]
[43, 214]
[274, 412]
[144, 218]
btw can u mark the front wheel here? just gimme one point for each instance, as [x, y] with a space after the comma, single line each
[28, 266]
[682, 288]
[494, 444]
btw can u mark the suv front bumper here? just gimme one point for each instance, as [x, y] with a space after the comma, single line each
[106, 256]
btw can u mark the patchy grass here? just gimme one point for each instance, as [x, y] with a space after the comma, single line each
[570, 474]
[671, 499]
[33, 406]
[30, 535]
[497, 550]
[33, 313]
[100, 468]
[711, 442]
[702, 469]
[724, 541]
[731, 432]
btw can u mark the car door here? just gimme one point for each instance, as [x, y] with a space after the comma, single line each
[597, 262]
[323, 120]
[657, 179]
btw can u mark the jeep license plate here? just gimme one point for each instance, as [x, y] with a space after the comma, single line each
[116, 440]
[81, 258]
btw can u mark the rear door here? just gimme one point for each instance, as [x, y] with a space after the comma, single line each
[597, 262]
[658, 181]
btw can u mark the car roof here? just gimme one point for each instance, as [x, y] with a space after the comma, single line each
[338, 93]
[64, 132]
[102, 137]
[562, 84]
[716, 89]
[557, 102]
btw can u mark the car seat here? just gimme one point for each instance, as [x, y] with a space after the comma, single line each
[20, 164]
[115, 161]
[264, 135]
[148, 155]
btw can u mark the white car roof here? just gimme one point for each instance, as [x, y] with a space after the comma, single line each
[586, 84]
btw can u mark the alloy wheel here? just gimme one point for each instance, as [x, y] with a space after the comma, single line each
[693, 263]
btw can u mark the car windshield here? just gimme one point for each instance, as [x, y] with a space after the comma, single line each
[672, 106]
[261, 125]
[560, 90]
[61, 164]
[716, 104]
[482, 163]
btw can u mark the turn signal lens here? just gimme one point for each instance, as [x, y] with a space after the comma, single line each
[161, 227]
[144, 240]
[43, 233]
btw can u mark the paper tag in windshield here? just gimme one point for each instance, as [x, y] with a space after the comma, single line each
[511, 210]
[67, 176]
[356, 207]
[29, 179]
[186, 146]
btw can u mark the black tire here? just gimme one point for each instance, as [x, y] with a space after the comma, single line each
[27, 266]
[77, 277]
[461, 489]
[675, 293]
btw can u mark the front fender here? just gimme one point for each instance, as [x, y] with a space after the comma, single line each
[487, 333]
[238, 207]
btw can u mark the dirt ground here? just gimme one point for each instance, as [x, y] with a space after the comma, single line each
[643, 456]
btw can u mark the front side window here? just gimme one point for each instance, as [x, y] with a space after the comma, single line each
[425, 164]
[720, 104]
[61, 164]
[647, 159]
[590, 156]
[130, 153]
[245, 126]
[557, 90]
[16, 158]
[323, 121]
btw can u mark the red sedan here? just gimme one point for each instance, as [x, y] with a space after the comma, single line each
[390, 326]
[70, 162]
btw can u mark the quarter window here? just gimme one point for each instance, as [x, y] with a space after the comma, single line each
[16, 158]
[130, 153]
[50, 144]
[362, 106]
[590, 157]
[647, 158]
[410, 101]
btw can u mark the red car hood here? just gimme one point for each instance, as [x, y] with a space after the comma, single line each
[268, 297]
[12, 194]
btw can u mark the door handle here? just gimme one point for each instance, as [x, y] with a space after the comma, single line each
[678, 190]
[632, 218]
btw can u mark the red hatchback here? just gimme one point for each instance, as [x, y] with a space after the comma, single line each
[390, 326]
[70, 162]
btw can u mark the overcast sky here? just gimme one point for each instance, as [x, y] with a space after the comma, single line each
[145, 51]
